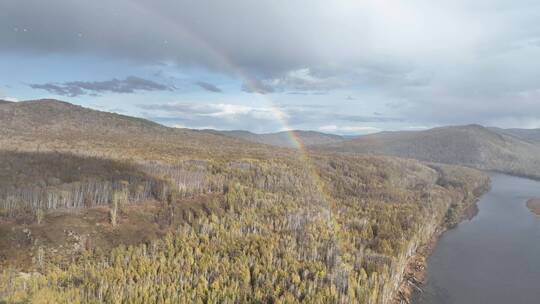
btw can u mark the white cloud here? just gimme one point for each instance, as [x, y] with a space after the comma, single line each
[214, 110]
[448, 61]
[530, 122]
[417, 128]
[234, 110]
[180, 126]
[5, 97]
[349, 129]
[305, 79]
[223, 116]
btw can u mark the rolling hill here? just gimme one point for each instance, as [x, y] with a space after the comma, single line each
[53, 125]
[98, 207]
[285, 139]
[472, 145]
[530, 135]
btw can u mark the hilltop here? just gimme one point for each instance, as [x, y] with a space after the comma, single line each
[287, 139]
[472, 145]
[53, 125]
[98, 207]
[530, 135]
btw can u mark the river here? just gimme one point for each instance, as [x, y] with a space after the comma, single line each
[493, 258]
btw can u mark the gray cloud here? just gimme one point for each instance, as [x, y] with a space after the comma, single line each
[315, 115]
[257, 86]
[181, 108]
[60, 89]
[161, 31]
[297, 82]
[214, 116]
[435, 62]
[209, 87]
[361, 118]
[130, 84]
[258, 119]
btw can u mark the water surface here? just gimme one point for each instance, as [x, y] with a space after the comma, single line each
[495, 257]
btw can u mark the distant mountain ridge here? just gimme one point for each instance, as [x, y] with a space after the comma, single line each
[531, 135]
[54, 119]
[138, 187]
[472, 145]
[61, 126]
[288, 139]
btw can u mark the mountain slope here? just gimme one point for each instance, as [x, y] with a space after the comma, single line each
[473, 145]
[54, 125]
[207, 216]
[287, 139]
[530, 135]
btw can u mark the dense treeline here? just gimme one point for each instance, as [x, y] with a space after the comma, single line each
[51, 125]
[243, 222]
[475, 146]
[282, 231]
[36, 182]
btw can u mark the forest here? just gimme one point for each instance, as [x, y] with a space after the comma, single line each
[336, 229]
[91, 213]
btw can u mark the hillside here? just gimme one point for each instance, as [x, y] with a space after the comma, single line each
[99, 207]
[473, 146]
[53, 125]
[287, 139]
[530, 135]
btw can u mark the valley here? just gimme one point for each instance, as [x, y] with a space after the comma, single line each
[91, 213]
[472, 146]
[231, 152]
[492, 258]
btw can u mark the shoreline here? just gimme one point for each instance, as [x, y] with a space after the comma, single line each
[415, 274]
[534, 206]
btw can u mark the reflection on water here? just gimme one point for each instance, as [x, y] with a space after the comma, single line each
[495, 257]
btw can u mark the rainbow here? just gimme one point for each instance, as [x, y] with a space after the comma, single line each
[182, 31]
[328, 202]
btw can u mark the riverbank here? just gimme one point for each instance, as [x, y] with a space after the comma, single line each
[534, 205]
[465, 266]
[415, 273]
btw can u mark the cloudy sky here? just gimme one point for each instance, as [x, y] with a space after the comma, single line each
[348, 67]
